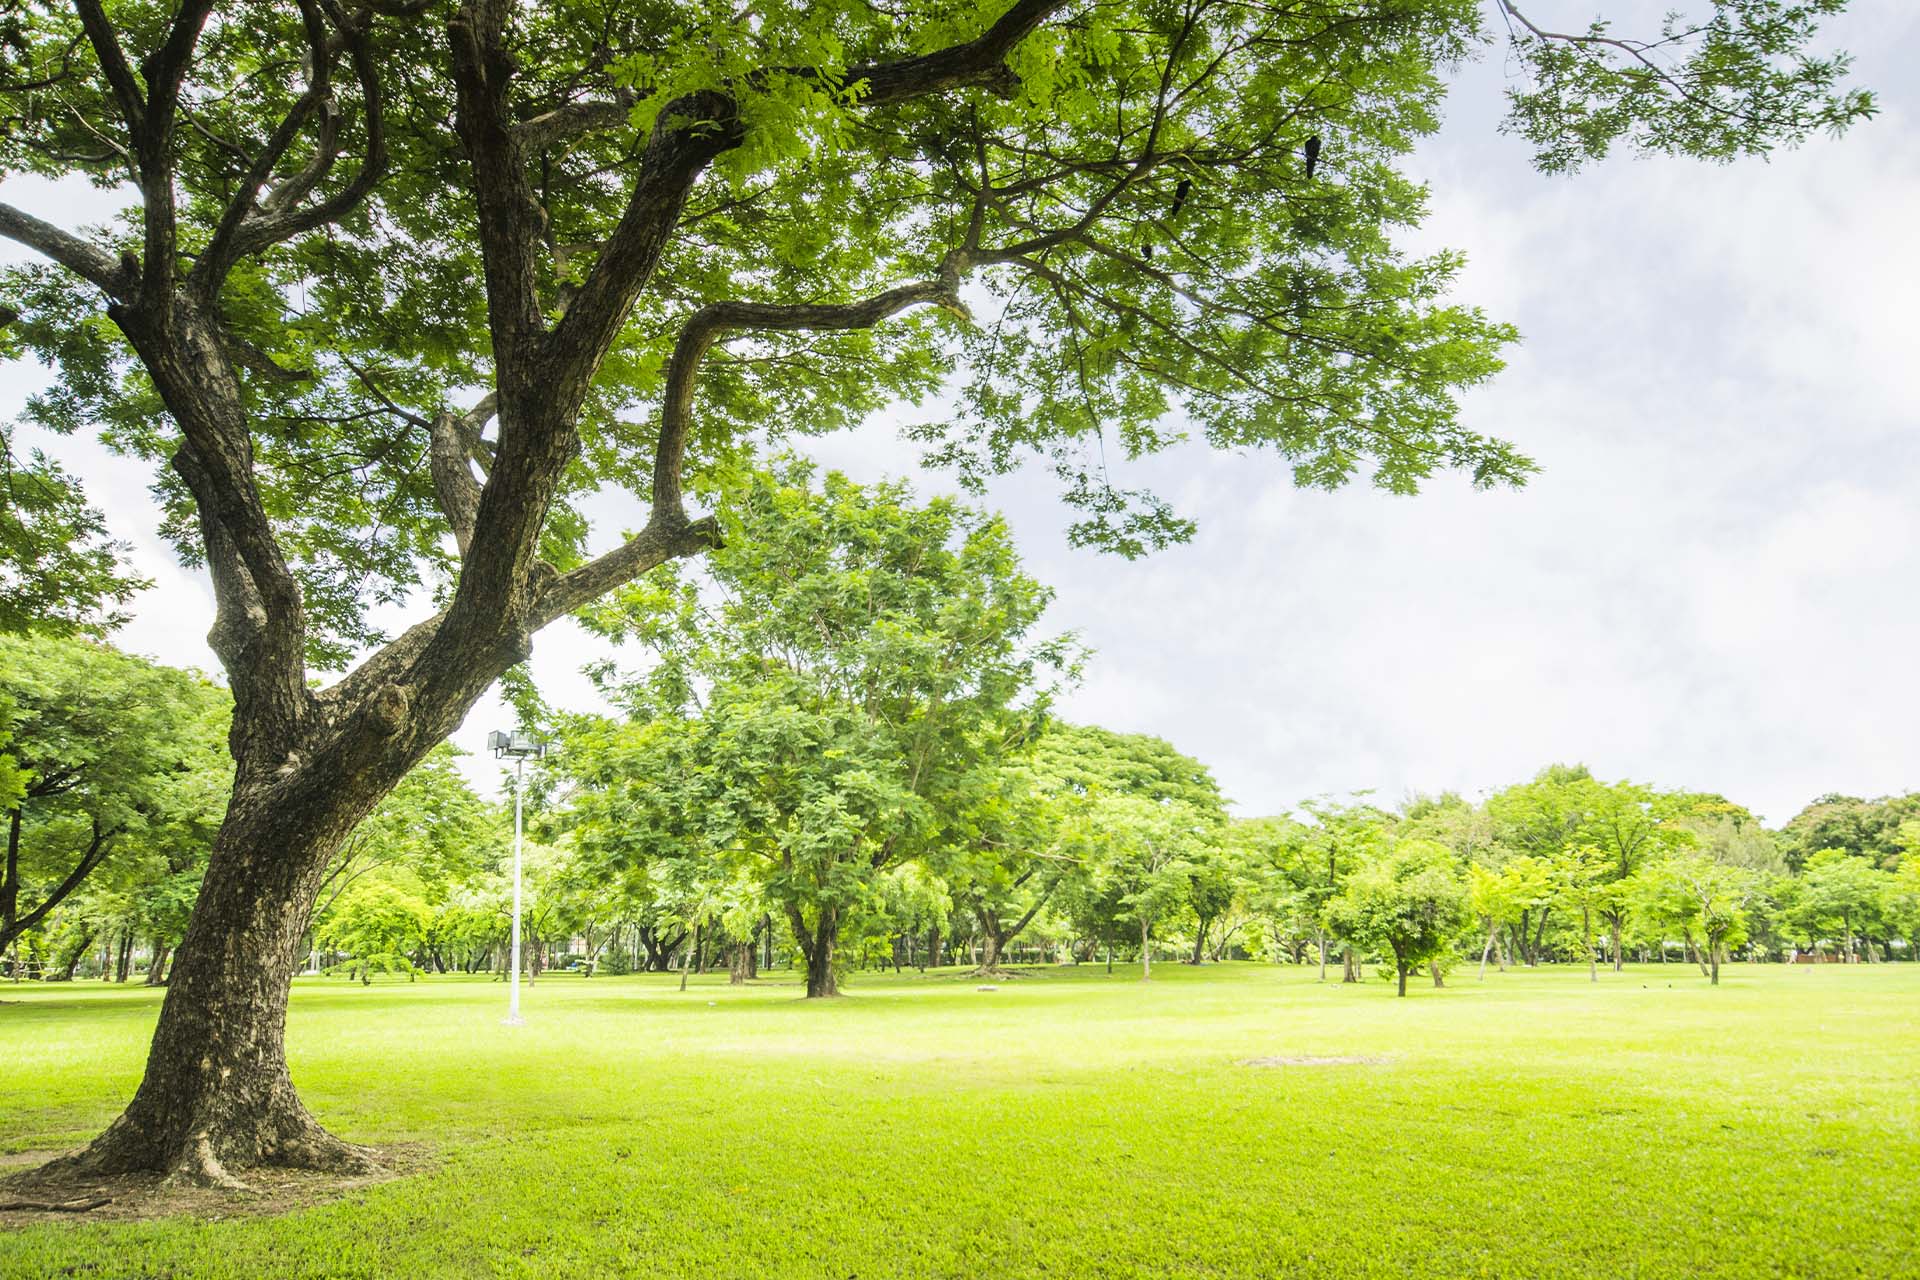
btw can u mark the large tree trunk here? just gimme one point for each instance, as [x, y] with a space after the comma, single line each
[216, 1095]
[1400, 971]
[1618, 960]
[1146, 953]
[817, 947]
[1439, 978]
[989, 953]
[1200, 941]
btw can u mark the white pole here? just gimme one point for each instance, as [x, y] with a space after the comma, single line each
[513, 1018]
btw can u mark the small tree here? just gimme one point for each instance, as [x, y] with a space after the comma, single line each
[1411, 903]
[1719, 896]
[377, 925]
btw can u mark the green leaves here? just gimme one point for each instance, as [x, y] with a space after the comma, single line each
[116, 769]
[61, 574]
[1740, 80]
[834, 698]
[1411, 903]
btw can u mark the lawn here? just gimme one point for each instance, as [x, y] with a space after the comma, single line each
[1070, 1124]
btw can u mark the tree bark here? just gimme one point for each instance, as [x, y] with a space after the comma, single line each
[1439, 979]
[217, 1095]
[1400, 970]
[989, 953]
[1349, 968]
[1146, 953]
[1320, 937]
[818, 946]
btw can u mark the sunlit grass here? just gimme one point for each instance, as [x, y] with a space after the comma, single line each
[1069, 1124]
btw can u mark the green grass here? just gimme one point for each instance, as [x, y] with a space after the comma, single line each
[1067, 1125]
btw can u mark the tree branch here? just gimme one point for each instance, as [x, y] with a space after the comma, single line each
[218, 257]
[706, 326]
[96, 852]
[279, 218]
[570, 119]
[979, 61]
[510, 217]
[652, 546]
[113, 65]
[453, 482]
[85, 260]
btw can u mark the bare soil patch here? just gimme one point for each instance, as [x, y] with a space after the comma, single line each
[137, 1197]
[1313, 1060]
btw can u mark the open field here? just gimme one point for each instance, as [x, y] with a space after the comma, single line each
[1068, 1125]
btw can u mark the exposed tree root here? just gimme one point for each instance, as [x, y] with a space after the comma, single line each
[52, 1206]
[994, 971]
[212, 1155]
[197, 1166]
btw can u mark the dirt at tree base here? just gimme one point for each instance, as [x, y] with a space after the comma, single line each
[139, 1197]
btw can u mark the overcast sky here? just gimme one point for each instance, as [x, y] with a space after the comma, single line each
[1714, 582]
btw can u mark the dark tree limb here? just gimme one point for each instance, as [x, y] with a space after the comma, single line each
[12, 924]
[708, 324]
[90, 262]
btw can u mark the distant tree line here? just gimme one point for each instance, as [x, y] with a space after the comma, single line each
[840, 752]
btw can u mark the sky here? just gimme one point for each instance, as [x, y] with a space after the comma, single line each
[1713, 583]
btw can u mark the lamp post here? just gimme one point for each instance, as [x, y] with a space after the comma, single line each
[518, 746]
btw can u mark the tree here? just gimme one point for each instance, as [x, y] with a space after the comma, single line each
[1584, 876]
[60, 574]
[1211, 891]
[1839, 890]
[1494, 896]
[101, 751]
[377, 925]
[1149, 852]
[999, 857]
[1138, 818]
[1868, 829]
[865, 667]
[1626, 825]
[315, 266]
[1341, 838]
[1410, 902]
[1284, 914]
[1700, 895]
